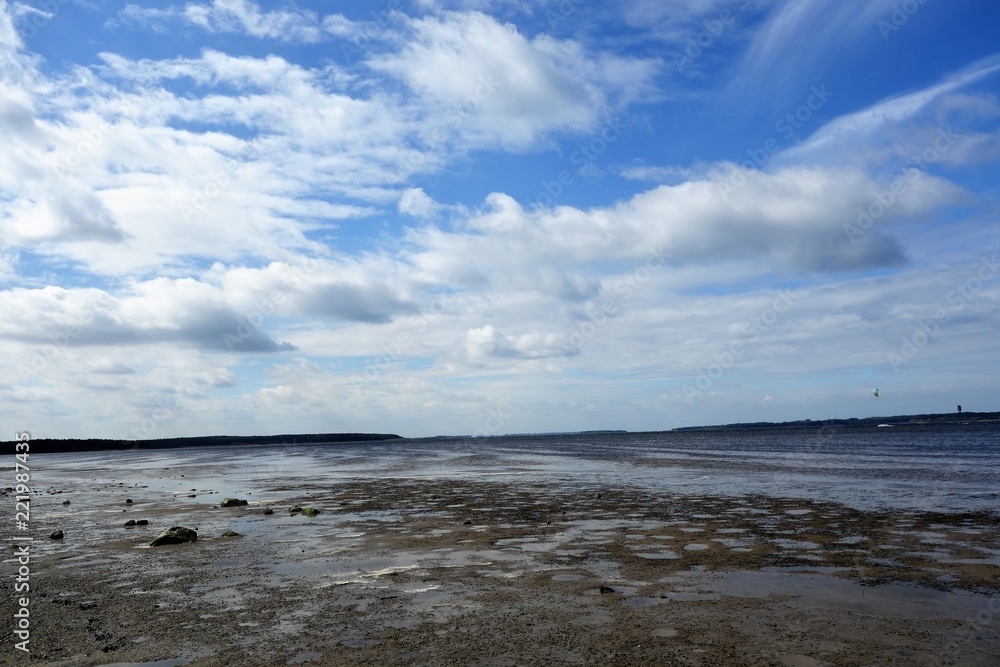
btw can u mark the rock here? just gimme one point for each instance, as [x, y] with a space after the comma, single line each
[130, 523]
[294, 510]
[268, 510]
[128, 501]
[142, 522]
[56, 535]
[175, 535]
[65, 502]
[606, 589]
[467, 522]
[310, 511]
[233, 502]
[230, 533]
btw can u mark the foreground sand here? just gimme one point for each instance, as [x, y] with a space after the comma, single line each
[418, 572]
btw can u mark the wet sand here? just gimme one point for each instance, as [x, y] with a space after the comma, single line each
[420, 572]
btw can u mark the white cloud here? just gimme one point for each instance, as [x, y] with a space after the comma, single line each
[799, 34]
[485, 83]
[793, 219]
[228, 16]
[415, 202]
[902, 125]
[487, 343]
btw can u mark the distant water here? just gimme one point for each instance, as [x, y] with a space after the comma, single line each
[934, 468]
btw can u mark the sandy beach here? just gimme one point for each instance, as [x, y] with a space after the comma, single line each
[420, 572]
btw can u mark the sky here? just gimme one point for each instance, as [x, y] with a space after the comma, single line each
[494, 216]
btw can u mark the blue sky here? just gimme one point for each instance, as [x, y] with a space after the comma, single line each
[490, 216]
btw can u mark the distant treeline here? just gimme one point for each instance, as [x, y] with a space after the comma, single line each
[50, 445]
[944, 418]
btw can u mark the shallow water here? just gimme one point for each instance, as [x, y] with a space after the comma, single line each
[955, 468]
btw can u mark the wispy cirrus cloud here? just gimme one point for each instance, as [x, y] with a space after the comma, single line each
[875, 131]
[231, 16]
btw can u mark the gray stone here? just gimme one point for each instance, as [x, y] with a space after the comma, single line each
[175, 535]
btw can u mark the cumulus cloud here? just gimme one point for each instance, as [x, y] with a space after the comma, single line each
[502, 87]
[415, 202]
[793, 219]
[163, 311]
[485, 343]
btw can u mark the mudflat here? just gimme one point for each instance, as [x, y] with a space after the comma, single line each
[502, 572]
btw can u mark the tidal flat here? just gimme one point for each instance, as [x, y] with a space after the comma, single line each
[498, 570]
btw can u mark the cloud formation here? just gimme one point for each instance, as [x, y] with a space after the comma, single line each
[278, 218]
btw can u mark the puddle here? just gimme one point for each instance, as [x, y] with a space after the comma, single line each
[642, 602]
[695, 547]
[733, 543]
[664, 554]
[663, 632]
[304, 656]
[820, 591]
[796, 544]
[689, 596]
[175, 662]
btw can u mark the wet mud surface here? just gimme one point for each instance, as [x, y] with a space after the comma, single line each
[420, 572]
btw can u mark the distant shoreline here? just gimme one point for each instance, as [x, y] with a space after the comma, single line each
[58, 445]
[898, 420]
[54, 445]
